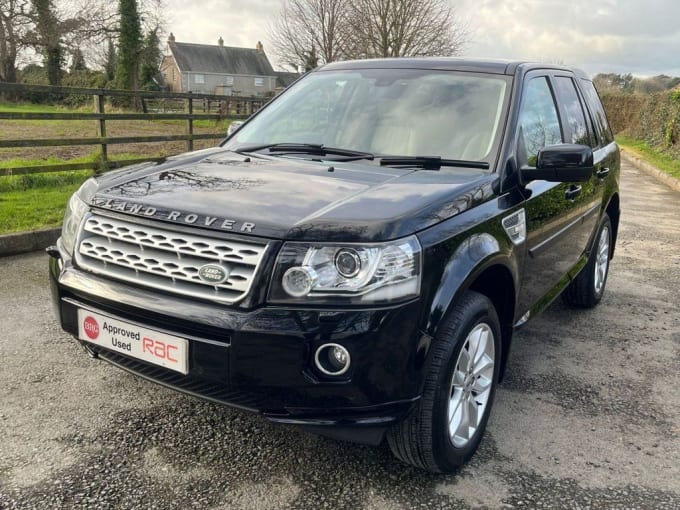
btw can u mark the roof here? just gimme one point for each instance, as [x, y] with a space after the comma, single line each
[480, 65]
[205, 58]
[283, 79]
[436, 63]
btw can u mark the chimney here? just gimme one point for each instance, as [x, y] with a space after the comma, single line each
[171, 38]
[259, 47]
[220, 42]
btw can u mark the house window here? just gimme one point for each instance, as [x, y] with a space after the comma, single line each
[259, 82]
[229, 81]
[173, 75]
[199, 79]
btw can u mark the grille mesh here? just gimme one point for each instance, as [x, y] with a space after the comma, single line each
[167, 260]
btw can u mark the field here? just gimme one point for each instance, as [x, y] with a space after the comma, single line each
[28, 129]
[32, 202]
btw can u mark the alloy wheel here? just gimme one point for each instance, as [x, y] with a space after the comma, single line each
[471, 385]
[602, 260]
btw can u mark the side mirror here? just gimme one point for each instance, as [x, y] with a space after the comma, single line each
[562, 163]
[234, 126]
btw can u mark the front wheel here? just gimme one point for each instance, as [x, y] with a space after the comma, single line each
[446, 427]
[587, 289]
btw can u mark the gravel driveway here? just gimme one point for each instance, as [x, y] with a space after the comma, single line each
[589, 416]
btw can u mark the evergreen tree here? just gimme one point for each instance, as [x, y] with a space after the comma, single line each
[129, 46]
[48, 39]
[151, 60]
[77, 62]
[111, 60]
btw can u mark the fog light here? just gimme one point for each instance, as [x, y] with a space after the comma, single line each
[332, 359]
[299, 281]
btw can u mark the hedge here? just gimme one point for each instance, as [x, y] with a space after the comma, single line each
[653, 118]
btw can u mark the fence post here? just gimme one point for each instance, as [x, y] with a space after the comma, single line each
[190, 124]
[99, 107]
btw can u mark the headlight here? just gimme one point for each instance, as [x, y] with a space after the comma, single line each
[347, 274]
[75, 210]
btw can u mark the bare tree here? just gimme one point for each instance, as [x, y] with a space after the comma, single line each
[405, 28]
[14, 25]
[92, 21]
[98, 37]
[99, 25]
[62, 27]
[310, 32]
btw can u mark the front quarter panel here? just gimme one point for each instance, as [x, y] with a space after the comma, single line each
[457, 251]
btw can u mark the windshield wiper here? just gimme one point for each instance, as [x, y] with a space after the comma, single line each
[315, 149]
[431, 162]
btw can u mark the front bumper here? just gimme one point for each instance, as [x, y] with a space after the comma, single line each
[261, 360]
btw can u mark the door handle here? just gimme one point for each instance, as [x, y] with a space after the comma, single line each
[602, 173]
[573, 192]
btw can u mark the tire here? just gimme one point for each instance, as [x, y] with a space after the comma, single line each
[587, 289]
[423, 439]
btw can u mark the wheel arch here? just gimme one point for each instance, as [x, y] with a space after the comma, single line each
[482, 268]
[497, 284]
[613, 210]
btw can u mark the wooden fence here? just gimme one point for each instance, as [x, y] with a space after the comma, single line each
[175, 106]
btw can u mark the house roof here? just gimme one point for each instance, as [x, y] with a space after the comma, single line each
[283, 79]
[204, 58]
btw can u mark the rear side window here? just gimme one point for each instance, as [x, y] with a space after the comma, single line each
[538, 120]
[604, 132]
[576, 118]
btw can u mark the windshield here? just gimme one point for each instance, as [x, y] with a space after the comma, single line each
[404, 112]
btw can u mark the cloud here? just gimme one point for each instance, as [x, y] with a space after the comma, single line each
[240, 23]
[601, 36]
[610, 35]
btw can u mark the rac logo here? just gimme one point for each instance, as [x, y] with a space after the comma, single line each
[159, 349]
[91, 327]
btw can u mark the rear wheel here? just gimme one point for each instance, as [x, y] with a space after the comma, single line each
[446, 427]
[587, 289]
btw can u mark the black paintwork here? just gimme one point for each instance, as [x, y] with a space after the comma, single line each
[296, 199]
[258, 356]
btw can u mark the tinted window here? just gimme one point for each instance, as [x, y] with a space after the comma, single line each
[538, 119]
[596, 108]
[576, 119]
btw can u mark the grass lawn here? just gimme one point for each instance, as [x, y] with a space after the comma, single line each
[36, 201]
[34, 209]
[54, 180]
[38, 108]
[52, 160]
[656, 157]
[93, 158]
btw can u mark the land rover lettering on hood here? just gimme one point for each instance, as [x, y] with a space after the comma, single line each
[354, 258]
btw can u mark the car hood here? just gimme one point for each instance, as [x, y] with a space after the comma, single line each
[295, 199]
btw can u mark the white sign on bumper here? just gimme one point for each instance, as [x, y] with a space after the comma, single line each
[145, 344]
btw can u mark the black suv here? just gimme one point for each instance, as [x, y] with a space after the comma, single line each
[355, 258]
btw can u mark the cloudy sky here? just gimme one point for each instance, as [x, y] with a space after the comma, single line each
[642, 37]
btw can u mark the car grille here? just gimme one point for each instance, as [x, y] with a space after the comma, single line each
[167, 260]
